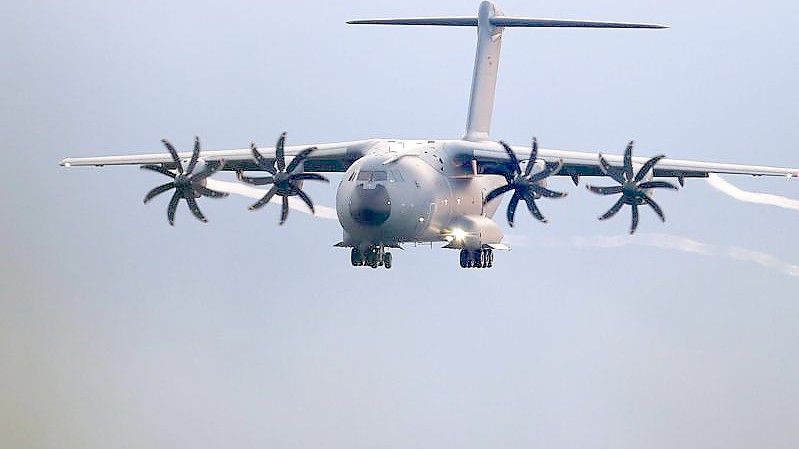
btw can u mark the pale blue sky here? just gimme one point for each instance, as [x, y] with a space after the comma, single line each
[119, 331]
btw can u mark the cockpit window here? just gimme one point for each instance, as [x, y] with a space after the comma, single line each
[352, 176]
[395, 176]
[372, 176]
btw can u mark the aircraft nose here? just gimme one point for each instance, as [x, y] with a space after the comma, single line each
[370, 207]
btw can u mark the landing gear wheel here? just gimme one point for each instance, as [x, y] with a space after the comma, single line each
[477, 258]
[387, 260]
[356, 258]
[372, 258]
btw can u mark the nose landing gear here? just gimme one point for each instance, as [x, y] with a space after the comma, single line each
[374, 256]
[480, 258]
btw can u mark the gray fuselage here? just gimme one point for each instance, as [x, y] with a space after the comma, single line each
[416, 191]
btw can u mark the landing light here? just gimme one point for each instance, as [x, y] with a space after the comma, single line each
[459, 234]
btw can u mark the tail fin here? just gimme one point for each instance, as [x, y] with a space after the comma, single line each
[490, 23]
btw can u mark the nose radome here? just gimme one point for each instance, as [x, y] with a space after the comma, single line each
[370, 207]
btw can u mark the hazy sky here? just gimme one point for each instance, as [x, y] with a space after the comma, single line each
[118, 331]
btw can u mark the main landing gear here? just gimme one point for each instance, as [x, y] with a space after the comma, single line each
[375, 256]
[478, 258]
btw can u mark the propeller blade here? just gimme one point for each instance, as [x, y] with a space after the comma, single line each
[304, 196]
[657, 185]
[608, 170]
[174, 154]
[280, 152]
[499, 191]
[650, 164]
[159, 169]
[533, 157]
[655, 206]
[205, 191]
[628, 161]
[195, 155]
[299, 158]
[308, 177]
[551, 193]
[613, 210]
[157, 191]
[514, 203]
[635, 219]
[516, 166]
[209, 170]
[533, 208]
[173, 206]
[261, 160]
[257, 181]
[265, 199]
[606, 190]
[195, 209]
[284, 212]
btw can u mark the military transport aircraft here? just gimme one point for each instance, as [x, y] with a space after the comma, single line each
[397, 191]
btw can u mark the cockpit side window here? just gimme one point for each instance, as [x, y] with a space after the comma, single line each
[352, 176]
[395, 176]
[372, 176]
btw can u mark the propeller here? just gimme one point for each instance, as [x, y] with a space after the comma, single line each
[187, 184]
[526, 185]
[285, 180]
[632, 187]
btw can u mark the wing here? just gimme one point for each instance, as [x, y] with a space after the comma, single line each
[587, 164]
[328, 157]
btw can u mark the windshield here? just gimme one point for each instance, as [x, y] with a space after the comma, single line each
[372, 176]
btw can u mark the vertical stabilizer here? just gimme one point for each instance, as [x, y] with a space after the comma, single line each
[490, 24]
[484, 79]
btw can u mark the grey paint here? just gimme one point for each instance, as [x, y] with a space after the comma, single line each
[119, 331]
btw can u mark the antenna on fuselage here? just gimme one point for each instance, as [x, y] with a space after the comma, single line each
[490, 23]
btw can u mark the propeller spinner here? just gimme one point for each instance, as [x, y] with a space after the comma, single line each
[187, 184]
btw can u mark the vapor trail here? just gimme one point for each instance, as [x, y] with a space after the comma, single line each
[237, 188]
[687, 245]
[751, 197]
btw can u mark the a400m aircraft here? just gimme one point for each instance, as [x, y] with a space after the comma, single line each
[398, 191]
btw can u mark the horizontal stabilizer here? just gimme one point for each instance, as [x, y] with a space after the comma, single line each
[439, 21]
[504, 22]
[558, 23]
